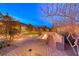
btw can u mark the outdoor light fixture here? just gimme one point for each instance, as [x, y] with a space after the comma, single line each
[30, 51]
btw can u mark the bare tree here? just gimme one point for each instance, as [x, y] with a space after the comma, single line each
[68, 11]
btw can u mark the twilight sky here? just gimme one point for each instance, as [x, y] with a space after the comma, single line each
[28, 13]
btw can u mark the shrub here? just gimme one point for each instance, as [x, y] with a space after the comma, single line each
[4, 44]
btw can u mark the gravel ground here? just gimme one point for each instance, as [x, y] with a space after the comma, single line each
[38, 48]
[34, 47]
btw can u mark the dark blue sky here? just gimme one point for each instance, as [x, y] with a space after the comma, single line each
[28, 13]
